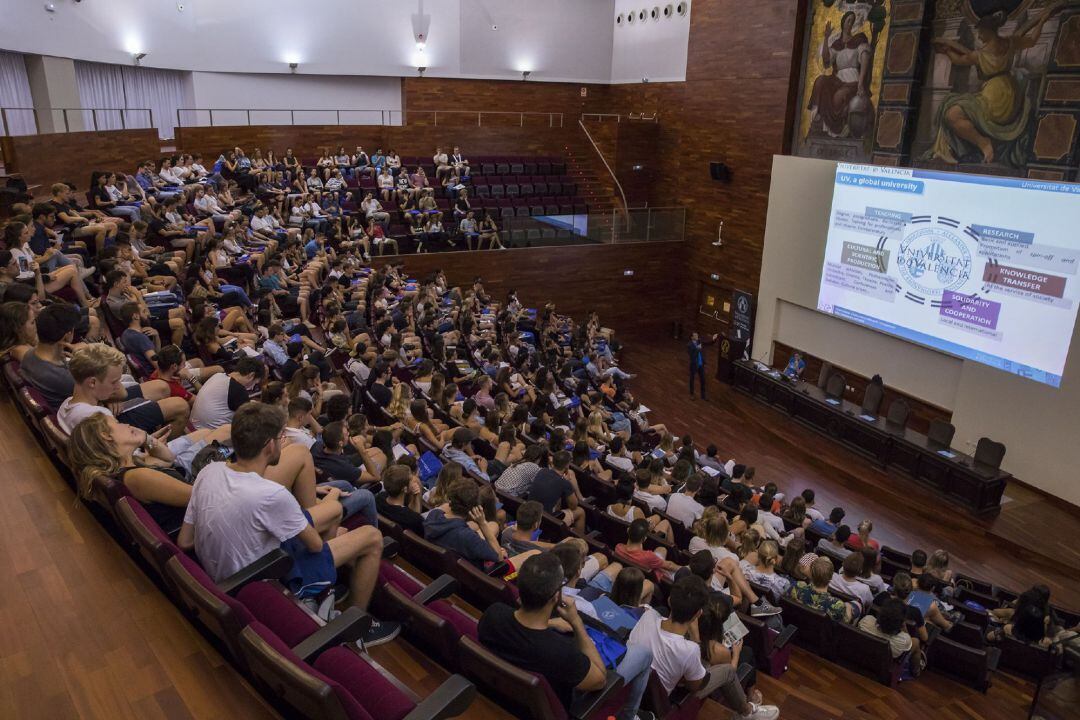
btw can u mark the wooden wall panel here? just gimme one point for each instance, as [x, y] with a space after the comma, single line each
[71, 157]
[733, 108]
[424, 94]
[577, 278]
[308, 141]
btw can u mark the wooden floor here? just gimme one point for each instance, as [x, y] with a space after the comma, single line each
[84, 634]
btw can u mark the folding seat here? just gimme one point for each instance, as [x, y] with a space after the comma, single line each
[521, 211]
[517, 168]
[869, 654]
[480, 588]
[517, 238]
[506, 212]
[532, 234]
[815, 627]
[772, 648]
[443, 204]
[498, 191]
[502, 168]
[562, 234]
[1028, 661]
[554, 188]
[341, 684]
[487, 168]
[972, 666]
[536, 210]
[483, 191]
[581, 209]
[434, 626]
[528, 695]
[56, 440]
[527, 189]
[529, 168]
[428, 557]
[901, 558]
[558, 167]
[149, 539]
[11, 375]
[513, 190]
[543, 167]
[551, 209]
[504, 202]
[568, 188]
[566, 209]
[540, 187]
[547, 234]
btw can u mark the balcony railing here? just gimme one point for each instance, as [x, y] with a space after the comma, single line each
[214, 117]
[29, 121]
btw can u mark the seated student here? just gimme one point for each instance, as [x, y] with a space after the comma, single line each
[938, 566]
[862, 537]
[524, 534]
[554, 489]
[331, 458]
[447, 526]
[924, 599]
[517, 479]
[632, 592]
[827, 527]
[142, 342]
[834, 546]
[399, 499]
[763, 572]
[460, 451]
[812, 512]
[174, 368]
[624, 509]
[677, 659]
[223, 394]
[96, 370]
[236, 515]
[18, 330]
[336, 408]
[654, 562]
[683, 505]
[593, 572]
[815, 594]
[870, 573]
[101, 446]
[301, 427]
[652, 495]
[848, 581]
[571, 665]
[918, 562]
[768, 505]
[617, 456]
[888, 623]
[913, 617]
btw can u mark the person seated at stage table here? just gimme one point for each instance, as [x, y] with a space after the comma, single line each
[795, 367]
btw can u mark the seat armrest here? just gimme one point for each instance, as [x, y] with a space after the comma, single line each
[440, 588]
[274, 565]
[585, 705]
[993, 655]
[349, 626]
[678, 696]
[785, 635]
[449, 700]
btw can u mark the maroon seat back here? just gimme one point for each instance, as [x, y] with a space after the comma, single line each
[428, 557]
[527, 694]
[435, 628]
[304, 688]
[481, 589]
[869, 654]
[197, 594]
[56, 439]
[268, 603]
[657, 699]
[815, 627]
[150, 540]
[973, 666]
[1027, 660]
[351, 674]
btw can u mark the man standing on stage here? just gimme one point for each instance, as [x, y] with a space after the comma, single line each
[695, 349]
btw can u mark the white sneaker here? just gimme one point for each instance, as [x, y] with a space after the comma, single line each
[759, 712]
[87, 272]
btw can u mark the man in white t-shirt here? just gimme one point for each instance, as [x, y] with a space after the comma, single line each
[683, 506]
[221, 395]
[617, 457]
[847, 581]
[97, 370]
[236, 516]
[677, 660]
[301, 427]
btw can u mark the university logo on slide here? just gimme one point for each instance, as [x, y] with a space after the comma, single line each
[933, 260]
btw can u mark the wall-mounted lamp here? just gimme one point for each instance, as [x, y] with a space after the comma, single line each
[719, 235]
[421, 70]
[293, 66]
[525, 75]
[137, 57]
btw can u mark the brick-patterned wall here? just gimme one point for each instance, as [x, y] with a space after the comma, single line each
[426, 94]
[45, 159]
[577, 278]
[734, 108]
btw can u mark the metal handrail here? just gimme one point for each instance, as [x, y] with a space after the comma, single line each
[64, 112]
[625, 208]
[600, 116]
[554, 119]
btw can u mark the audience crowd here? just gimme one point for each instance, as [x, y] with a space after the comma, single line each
[216, 340]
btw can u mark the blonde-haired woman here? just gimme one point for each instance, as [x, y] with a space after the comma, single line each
[102, 446]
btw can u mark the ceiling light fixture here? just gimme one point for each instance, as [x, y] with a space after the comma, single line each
[137, 57]
[525, 75]
[293, 66]
[421, 70]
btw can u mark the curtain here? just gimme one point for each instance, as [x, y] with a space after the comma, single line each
[120, 94]
[15, 93]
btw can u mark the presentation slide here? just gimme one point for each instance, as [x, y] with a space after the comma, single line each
[984, 268]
